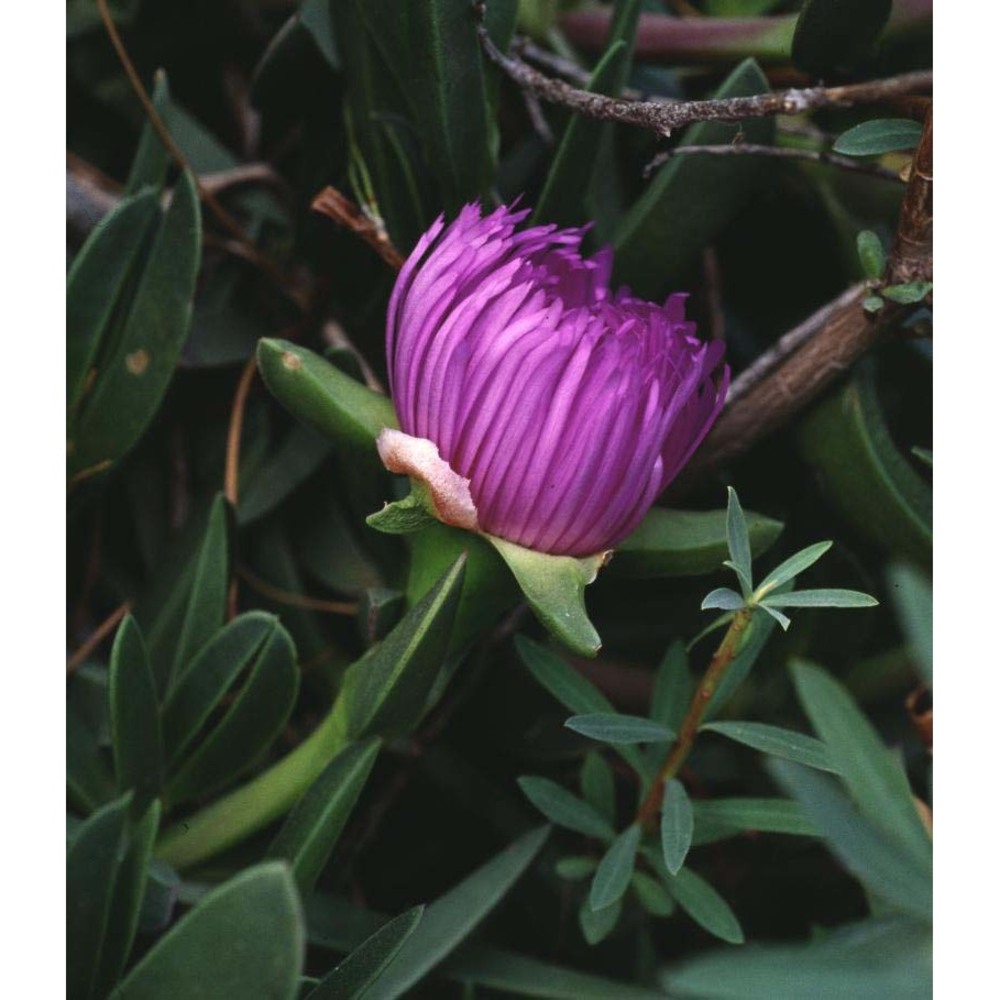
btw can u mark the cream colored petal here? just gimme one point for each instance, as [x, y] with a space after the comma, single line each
[421, 460]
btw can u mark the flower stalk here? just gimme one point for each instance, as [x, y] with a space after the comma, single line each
[723, 658]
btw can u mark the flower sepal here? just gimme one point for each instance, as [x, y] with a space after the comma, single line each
[553, 586]
[403, 517]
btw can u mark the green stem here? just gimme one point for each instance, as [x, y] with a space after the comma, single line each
[257, 803]
[724, 656]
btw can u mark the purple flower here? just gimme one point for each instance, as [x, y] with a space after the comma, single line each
[553, 411]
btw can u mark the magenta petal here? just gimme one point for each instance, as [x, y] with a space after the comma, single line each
[568, 408]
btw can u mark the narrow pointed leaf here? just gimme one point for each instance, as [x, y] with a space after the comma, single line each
[738, 538]
[673, 687]
[652, 895]
[828, 598]
[615, 869]
[705, 906]
[868, 852]
[312, 829]
[876, 782]
[151, 160]
[91, 868]
[776, 741]
[792, 566]
[716, 819]
[244, 939]
[89, 782]
[136, 739]
[783, 620]
[880, 135]
[363, 966]
[452, 917]
[596, 925]
[610, 727]
[563, 808]
[575, 868]
[676, 825]
[597, 783]
[564, 683]
[911, 594]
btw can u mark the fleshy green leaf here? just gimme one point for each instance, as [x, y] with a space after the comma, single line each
[206, 601]
[871, 254]
[136, 739]
[101, 277]
[244, 939]
[89, 782]
[867, 961]
[911, 595]
[452, 917]
[876, 782]
[610, 727]
[691, 199]
[250, 725]
[364, 965]
[387, 690]
[322, 396]
[563, 808]
[676, 825]
[138, 361]
[776, 741]
[866, 477]
[837, 34]
[828, 598]
[312, 829]
[615, 869]
[868, 852]
[91, 868]
[685, 543]
[880, 135]
[151, 161]
[553, 586]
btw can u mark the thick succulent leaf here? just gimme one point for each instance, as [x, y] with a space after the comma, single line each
[244, 939]
[452, 917]
[89, 781]
[692, 199]
[685, 543]
[867, 478]
[312, 829]
[364, 965]
[837, 34]
[151, 161]
[322, 396]
[867, 961]
[135, 369]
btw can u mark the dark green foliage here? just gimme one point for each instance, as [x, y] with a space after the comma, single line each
[305, 761]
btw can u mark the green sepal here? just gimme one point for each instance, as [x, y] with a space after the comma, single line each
[553, 586]
[403, 517]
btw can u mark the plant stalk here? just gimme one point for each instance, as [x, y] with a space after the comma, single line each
[259, 802]
[724, 656]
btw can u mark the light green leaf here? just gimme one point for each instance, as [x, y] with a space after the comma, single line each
[615, 869]
[828, 598]
[563, 808]
[313, 827]
[610, 727]
[776, 741]
[868, 852]
[913, 291]
[596, 925]
[676, 825]
[685, 543]
[792, 566]
[876, 782]
[738, 538]
[722, 599]
[575, 868]
[911, 595]
[871, 254]
[716, 819]
[705, 906]
[553, 586]
[244, 939]
[322, 396]
[880, 135]
[652, 895]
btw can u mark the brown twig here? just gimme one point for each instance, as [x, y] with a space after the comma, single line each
[663, 118]
[97, 637]
[331, 203]
[281, 596]
[776, 152]
[235, 435]
[261, 260]
[815, 354]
